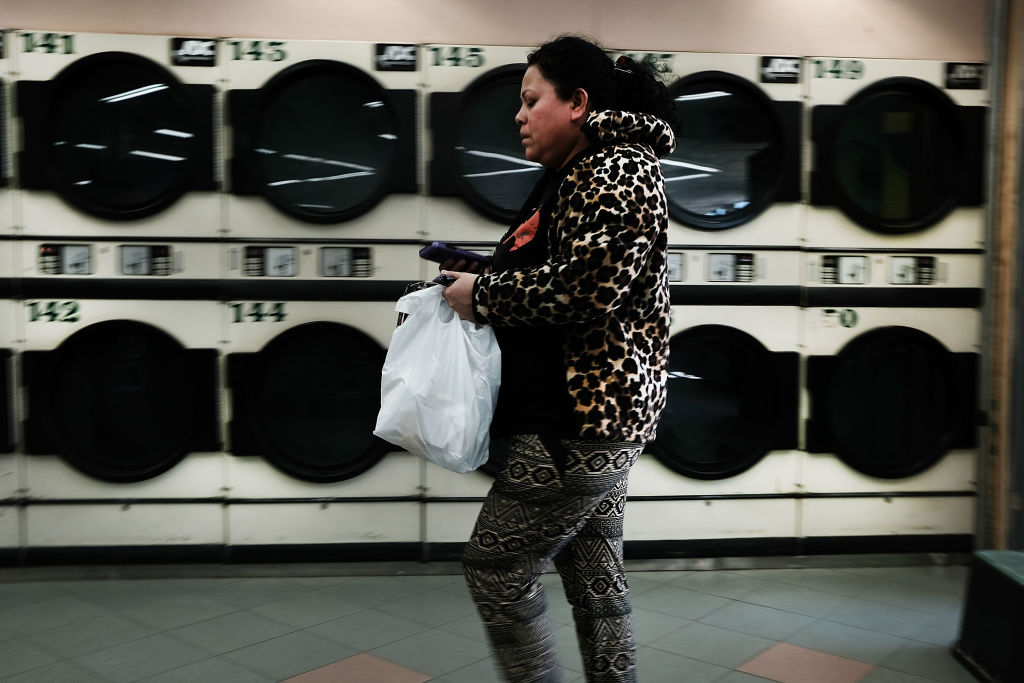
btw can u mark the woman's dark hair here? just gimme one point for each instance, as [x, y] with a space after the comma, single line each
[571, 62]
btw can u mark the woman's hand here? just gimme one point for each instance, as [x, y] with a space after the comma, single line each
[459, 294]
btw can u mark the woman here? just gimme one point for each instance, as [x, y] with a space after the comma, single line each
[578, 299]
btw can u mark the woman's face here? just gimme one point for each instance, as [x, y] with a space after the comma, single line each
[548, 125]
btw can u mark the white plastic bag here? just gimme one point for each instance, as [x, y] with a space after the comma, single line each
[439, 384]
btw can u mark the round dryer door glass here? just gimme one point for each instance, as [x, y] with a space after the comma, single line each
[325, 143]
[120, 401]
[725, 403]
[891, 402]
[121, 137]
[897, 156]
[316, 402]
[729, 155]
[491, 164]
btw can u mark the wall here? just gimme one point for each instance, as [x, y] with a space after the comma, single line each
[954, 30]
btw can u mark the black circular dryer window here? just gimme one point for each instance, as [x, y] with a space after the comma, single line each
[325, 141]
[315, 401]
[890, 403]
[120, 401]
[896, 156]
[491, 165]
[725, 401]
[729, 159]
[120, 137]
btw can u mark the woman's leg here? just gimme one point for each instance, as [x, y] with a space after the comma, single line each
[529, 515]
[595, 585]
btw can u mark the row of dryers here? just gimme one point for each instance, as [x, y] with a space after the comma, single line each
[164, 137]
[811, 395]
[207, 237]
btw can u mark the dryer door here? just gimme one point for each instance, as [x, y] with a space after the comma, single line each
[117, 136]
[121, 401]
[308, 402]
[730, 401]
[898, 157]
[477, 151]
[737, 151]
[323, 141]
[892, 402]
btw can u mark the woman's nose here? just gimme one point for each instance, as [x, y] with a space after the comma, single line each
[519, 117]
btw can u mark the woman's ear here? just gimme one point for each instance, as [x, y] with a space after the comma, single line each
[580, 102]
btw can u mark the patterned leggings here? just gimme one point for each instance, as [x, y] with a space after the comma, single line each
[535, 513]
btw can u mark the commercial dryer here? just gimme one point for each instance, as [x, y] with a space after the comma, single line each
[308, 325]
[896, 154]
[734, 177]
[478, 174]
[119, 379]
[322, 141]
[891, 413]
[724, 466]
[116, 135]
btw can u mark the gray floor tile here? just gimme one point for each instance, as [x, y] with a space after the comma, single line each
[657, 666]
[367, 630]
[60, 672]
[740, 677]
[89, 635]
[468, 626]
[723, 584]
[713, 645]
[169, 627]
[21, 654]
[123, 595]
[796, 599]
[432, 607]
[140, 659]
[481, 671]
[434, 652]
[679, 602]
[649, 626]
[933, 662]
[373, 591]
[306, 609]
[881, 675]
[174, 612]
[290, 655]
[254, 592]
[47, 614]
[231, 632]
[874, 616]
[755, 620]
[216, 669]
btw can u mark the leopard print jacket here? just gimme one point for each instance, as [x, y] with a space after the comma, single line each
[605, 281]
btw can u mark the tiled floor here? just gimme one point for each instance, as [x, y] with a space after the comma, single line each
[409, 623]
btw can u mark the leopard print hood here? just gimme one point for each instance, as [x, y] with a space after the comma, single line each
[613, 127]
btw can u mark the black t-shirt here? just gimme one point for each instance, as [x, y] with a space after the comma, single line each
[533, 397]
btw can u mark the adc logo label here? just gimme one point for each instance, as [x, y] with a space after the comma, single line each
[780, 69]
[395, 57]
[193, 52]
[965, 76]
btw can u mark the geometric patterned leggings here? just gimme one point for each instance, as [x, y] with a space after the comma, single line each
[537, 512]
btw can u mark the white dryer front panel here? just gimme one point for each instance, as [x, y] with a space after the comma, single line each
[895, 154]
[322, 140]
[304, 381]
[906, 454]
[734, 177]
[478, 174]
[116, 135]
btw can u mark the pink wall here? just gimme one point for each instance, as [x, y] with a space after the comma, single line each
[924, 29]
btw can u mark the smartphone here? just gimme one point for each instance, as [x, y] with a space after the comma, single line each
[441, 252]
